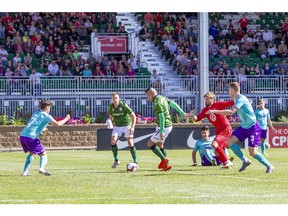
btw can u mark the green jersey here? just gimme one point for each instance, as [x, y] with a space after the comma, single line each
[121, 114]
[161, 105]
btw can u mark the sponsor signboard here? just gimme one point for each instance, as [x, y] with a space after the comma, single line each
[113, 44]
[279, 139]
[179, 138]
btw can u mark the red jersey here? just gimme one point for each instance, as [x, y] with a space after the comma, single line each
[220, 122]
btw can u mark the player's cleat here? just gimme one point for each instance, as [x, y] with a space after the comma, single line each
[265, 154]
[245, 164]
[214, 162]
[45, 172]
[115, 164]
[270, 169]
[231, 159]
[228, 165]
[25, 174]
[166, 168]
[163, 163]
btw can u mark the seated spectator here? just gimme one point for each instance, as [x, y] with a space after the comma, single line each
[58, 56]
[155, 80]
[157, 33]
[80, 62]
[214, 30]
[35, 82]
[121, 71]
[255, 41]
[98, 72]
[144, 33]
[223, 51]
[283, 65]
[247, 43]
[224, 31]
[168, 28]
[16, 83]
[267, 69]
[28, 60]
[8, 72]
[3, 54]
[2, 31]
[114, 66]
[239, 34]
[282, 50]
[51, 48]
[149, 18]
[262, 50]
[108, 71]
[8, 46]
[19, 46]
[243, 53]
[40, 50]
[130, 73]
[267, 35]
[77, 71]
[243, 22]
[233, 49]
[133, 62]
[53, 68]
[46, 59]
[192, 34]
[23, 69]
[271, 50]
[236, 70]
[65, 68]
[213, 49]
[91, 61]
[87, 72]
[29, 46]
[16, 59]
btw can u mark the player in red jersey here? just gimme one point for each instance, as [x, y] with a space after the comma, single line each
[221, 124]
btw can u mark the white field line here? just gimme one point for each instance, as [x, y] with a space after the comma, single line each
[237, 177]
[145, 198]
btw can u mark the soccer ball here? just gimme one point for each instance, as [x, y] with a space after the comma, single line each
[267, 145]
[131, 167]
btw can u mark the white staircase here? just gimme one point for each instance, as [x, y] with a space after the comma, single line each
[151, 56]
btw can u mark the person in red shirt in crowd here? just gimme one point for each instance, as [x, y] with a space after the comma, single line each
[98, 71]
[51, 48]
[36, 38]
[29, 46]
[7, 19]
[222, 127]
[239, 34]
[158, 33]
[149, 18]
[10, 30]
[243, 22]
[114, 66]
[285, 26]
[72, 46]
[158, 18]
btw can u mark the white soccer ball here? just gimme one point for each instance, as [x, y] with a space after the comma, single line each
[267, 145]
[131, 167]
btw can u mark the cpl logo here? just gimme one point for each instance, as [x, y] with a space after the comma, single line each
[212, 117]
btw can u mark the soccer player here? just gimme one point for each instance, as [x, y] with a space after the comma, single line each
[221, 124]
[29, 136]
[263, 117]
[206, 151]
[249, 128]
[123, 120]
[161, 106]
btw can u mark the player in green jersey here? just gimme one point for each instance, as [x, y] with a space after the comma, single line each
[161, 106]
[123, 120]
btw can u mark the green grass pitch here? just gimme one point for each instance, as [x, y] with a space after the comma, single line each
[86, 177]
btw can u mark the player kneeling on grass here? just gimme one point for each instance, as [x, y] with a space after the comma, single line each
[123, 120]
[206, 151]
[161, 106]
[29, 136]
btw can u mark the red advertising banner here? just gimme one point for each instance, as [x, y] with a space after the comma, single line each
[279, 139]
[113, 44]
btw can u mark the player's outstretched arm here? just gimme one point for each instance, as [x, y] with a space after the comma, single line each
[61, 122]
[177, 108]
[222, 112]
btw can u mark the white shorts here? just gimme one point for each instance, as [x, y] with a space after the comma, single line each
[118, 131]
[156, 136]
